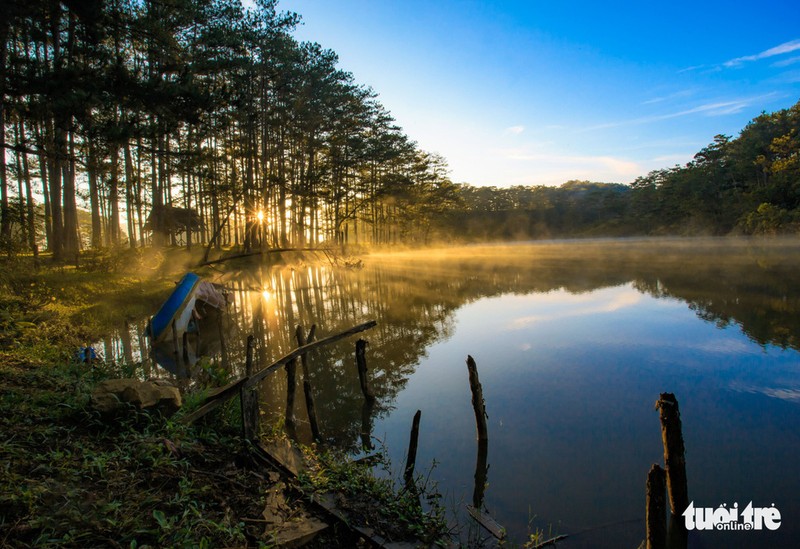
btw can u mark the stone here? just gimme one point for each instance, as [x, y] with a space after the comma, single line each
[112, 394]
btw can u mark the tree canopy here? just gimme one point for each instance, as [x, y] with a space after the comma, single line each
[190, 122]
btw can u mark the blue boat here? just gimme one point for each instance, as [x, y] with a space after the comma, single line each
[178, 308]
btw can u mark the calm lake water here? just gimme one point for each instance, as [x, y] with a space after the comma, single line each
[574, 341]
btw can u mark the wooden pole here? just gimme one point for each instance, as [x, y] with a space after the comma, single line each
[361, 362]
[656, 509]
[674, 453]
[307, 392]
[478, 404]
[291, 387]
[249, 399]
[412, 451]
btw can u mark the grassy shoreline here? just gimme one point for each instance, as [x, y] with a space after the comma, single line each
[72, 478]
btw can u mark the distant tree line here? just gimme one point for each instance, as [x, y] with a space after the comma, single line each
[747, 185]
[191, 122]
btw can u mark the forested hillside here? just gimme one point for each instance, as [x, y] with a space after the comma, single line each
[182, 122]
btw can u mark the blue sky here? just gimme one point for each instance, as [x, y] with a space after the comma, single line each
[528, 93]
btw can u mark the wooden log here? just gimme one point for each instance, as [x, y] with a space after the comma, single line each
[478, 404]
[307, 392]
[674, 453]
[412, 451]
[361, 362]
[656, 509]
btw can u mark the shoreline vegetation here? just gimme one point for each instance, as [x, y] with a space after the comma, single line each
[75, 477]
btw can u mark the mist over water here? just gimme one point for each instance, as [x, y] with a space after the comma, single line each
[574, 341]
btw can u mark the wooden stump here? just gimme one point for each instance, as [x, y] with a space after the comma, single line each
[656, 509]
[674, 453]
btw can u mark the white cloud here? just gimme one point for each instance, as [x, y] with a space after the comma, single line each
[787, 62]
[719, 108]
[786, 47]
[515, 130]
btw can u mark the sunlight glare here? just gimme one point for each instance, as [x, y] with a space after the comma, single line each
[260, 216]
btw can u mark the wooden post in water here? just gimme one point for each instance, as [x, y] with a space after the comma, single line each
[674, 453]
[656, 509]
[361, 362]
[478, 404]
[309, 396]
[479, 407]
[249, 399]
[675, 465]
[412, 451]
[291, 387]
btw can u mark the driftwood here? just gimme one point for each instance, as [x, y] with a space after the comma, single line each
[232, 389]
[488, 523]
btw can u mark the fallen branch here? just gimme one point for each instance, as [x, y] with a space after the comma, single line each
[261, 252]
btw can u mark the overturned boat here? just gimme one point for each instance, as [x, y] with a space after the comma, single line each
[184, 307]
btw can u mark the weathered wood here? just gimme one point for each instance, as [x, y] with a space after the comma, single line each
[250, 405]
[551, 541]
[307, 392]
[481, 473]
[411, 459]
[361, 363]
[488, 523]
[674, 452]
[251, 414]
[232, 389]
[478, 404]
[291, 390]
[206, 261]
[656, 509]
[261, 374]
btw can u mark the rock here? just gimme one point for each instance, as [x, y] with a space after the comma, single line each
[111, 395]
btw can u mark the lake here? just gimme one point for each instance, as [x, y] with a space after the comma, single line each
[573, 341]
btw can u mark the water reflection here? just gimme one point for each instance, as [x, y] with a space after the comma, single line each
[553, 323]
